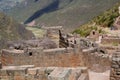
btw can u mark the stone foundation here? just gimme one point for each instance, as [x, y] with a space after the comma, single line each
[41, 73]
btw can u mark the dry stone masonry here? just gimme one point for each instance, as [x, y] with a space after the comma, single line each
[29, 72]
[75, 57]
[115, 75]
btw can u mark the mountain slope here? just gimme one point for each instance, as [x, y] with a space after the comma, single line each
[6, 5]
[11, 30]
[67, 13]
[99, 23]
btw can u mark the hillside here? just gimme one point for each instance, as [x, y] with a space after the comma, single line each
[6, 5]
[11, 30]
[104, 20]
[67, 13]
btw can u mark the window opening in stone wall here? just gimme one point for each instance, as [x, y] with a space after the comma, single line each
[102, 51]
[30, 54]
[17, 47]
[93, 33]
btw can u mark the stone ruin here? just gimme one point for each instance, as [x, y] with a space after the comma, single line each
[75, 59]
[45, 43]
[115, 71]
[117, 23]
[52, 31]
[29, 72]
[94, 35]
[119, 9]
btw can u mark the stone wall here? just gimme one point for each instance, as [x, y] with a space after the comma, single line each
[117, 23]
[93, 56]
[59, 57]
[115, 67]
[19, 57]
[110, 41]
[29, 72]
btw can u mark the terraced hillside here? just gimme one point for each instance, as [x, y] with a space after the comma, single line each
[67, 13]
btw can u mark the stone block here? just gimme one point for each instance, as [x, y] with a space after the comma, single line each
[20, 72]
[75, 74]
[41, 70]
[30, 77]
[4, 78]
[27, 66]
[82, 76]
[60, 74]
[49, 70]
[32, 71]
[14, 71]
[115, 66]
[19, 77]
[3, 72]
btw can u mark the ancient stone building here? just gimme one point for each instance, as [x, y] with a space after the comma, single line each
[29, 72]
[73, 60]
[115, 71]
[117, 23]
[94, 35]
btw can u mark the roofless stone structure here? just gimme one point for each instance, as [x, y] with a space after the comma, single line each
[73, 60]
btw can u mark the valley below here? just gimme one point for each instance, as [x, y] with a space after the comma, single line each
[67, 13]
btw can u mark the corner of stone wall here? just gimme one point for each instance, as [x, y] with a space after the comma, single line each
[115, 66]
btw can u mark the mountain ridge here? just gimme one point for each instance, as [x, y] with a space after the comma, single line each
[68, 13]
[10, 30]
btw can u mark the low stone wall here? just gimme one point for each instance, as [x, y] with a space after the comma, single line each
[24, 73]
[109, 47]
[110, 41]
[92, 57]
[29, 72]
[115, 67]
[59, 57]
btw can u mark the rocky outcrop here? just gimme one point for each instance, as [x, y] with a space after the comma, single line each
[10, 30]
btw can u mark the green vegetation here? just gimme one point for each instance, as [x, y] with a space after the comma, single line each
[36, 31]
[70, 15]
[104, 20]
[85, 31]
[115, 44]
[11, 30]
[107, 18]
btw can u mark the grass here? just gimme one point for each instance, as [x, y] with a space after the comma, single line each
[115, 44]
[100, 22]
[36, 31]
[70, 16]
[10, 30]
